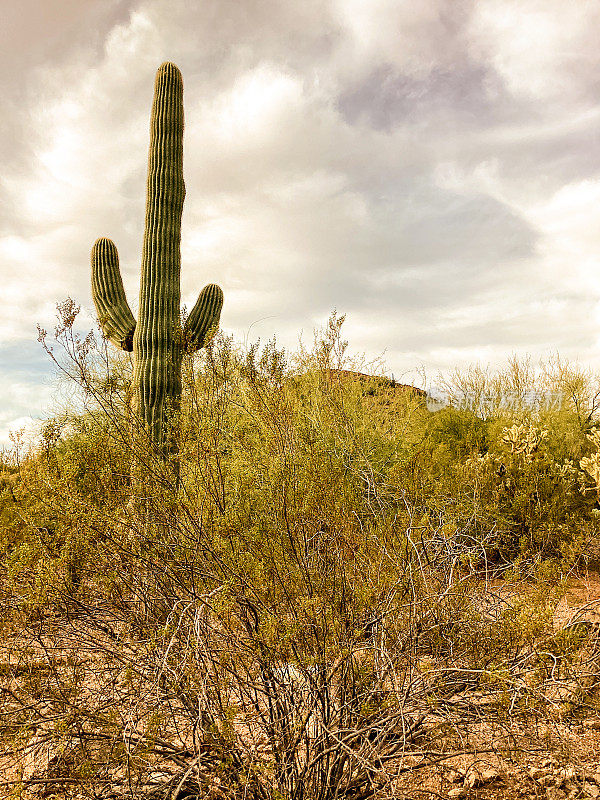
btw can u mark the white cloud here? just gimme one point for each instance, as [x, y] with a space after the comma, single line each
[428, 168]
[413, 37]
[543, 49]
[570, 247]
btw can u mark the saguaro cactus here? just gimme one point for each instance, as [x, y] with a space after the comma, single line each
[157, 340]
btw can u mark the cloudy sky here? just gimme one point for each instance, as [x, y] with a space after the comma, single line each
[429, 167]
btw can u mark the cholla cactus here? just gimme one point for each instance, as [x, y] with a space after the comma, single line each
[524, 440]
[157, 340]
[591, 465]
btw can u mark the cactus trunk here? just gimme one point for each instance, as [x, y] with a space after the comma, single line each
[158, 342]
[157, 338]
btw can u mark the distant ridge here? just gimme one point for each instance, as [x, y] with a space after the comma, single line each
[380, 381]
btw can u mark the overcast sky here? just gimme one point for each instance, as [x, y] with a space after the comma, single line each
[429, 167]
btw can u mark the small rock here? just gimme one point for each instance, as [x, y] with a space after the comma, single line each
[591, 789]
[480, 774]
[552, 793]
[535, 773]
[458, 792]
[591, 724]
[568, 773]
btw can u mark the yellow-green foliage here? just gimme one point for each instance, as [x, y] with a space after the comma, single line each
[327, 538]
[280, 453]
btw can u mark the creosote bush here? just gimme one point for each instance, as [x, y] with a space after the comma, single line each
[305, 615]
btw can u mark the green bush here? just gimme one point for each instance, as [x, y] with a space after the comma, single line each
[268, 439]
[323, 540]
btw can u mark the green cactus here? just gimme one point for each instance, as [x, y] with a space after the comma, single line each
[156, 340]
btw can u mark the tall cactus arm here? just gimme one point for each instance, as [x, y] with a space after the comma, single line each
[114, 314]
[204, 317]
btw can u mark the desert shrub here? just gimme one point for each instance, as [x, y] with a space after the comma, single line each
[455, 434]
[500, 465]
[297, 606]
[533, 500]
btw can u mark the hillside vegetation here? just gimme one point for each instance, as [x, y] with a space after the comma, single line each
[335, 593]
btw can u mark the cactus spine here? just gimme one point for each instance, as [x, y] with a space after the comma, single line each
[157, 340]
